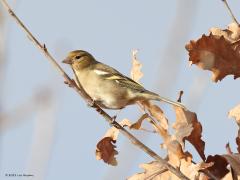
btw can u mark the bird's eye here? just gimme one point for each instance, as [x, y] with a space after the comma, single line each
[78, 57]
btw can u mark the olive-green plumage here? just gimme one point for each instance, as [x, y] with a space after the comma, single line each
[106, 86]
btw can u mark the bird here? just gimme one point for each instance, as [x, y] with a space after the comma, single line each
[109, 88]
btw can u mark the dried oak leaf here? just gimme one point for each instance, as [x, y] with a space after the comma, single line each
[138, 124]
[215, 54]
[153, 170]
[175, 151]
[189, 128]
[231, 34]
[219, 168]
[136, 73]
[105, 149]
[235, 113]
[156, 112]
[174, 148]
[234, 161]
[238, 144]
[191, 170]
[228, 176]
[182, 130]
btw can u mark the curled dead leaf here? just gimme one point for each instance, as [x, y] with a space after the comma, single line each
[153, 170]
[188, 128]
[238, 144]
[105, 149]
[113, 132]
[234, 161]
[136, 73]
[175, 152]
[215, 54]
[219, 168]
[235, 113]
[192, 170]
[138, 124]
[156, 112]
[231, 34]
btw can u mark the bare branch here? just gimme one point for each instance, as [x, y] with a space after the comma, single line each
[88, 99]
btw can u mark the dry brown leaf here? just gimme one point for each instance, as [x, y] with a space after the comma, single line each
[228, 176]
[235, 113]
[175, 151]
[231, 34]
[113, 132]
[192, 170]
[174, 148]
[105, 149]
[154, 110]
[219, 168]
[238, 144]
[153, 170]
[157, 113]
[235, 31]
[215, 54]
[189, 128]
[234, 161]
[138, 124]
[183, 130]
[136, 73]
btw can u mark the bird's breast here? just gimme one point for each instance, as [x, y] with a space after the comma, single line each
[105, 92]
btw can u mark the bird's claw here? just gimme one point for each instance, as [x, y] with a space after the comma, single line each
[113, 119]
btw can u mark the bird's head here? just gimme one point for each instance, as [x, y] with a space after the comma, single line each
[79, 58]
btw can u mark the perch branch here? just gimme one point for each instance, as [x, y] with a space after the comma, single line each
[88, 99]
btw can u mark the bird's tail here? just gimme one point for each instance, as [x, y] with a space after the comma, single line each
[154, 96]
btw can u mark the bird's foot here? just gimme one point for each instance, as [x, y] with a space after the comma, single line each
[114, 119]
[115, 116]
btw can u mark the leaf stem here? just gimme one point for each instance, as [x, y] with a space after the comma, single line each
[230, 11]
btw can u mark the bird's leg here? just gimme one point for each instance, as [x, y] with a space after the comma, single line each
[115, 116]
[113, 120]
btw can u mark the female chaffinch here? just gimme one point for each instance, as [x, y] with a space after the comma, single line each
[106, 86]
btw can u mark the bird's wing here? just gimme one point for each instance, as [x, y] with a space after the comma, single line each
[112, 74]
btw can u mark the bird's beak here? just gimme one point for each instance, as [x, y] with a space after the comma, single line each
[67, 61]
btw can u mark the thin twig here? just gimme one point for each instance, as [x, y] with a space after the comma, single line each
[88, 99]
[230, 11]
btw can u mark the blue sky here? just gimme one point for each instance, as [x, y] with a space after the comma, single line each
[56, 139]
